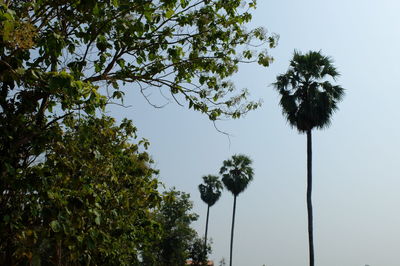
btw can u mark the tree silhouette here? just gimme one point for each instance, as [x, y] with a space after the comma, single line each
[308, 100]
[210, 192]
[236, 173]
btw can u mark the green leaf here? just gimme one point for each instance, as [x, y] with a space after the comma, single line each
[97, 220]
[169, 13]
[121, 62]
[8, 27]
[115, 3]
[55, 226]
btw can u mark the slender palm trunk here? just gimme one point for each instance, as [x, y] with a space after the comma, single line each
[232, 230]
[309, 203]
[58, 253]
[8, 254]
[205, 237]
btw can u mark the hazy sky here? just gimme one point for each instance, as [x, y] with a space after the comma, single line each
[356, 181]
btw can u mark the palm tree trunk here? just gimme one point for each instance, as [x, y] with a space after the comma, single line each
[58, 251]
[233, 225]
[205, 237]
[309, 203]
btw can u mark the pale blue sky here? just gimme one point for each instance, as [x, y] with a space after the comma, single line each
[356, 181]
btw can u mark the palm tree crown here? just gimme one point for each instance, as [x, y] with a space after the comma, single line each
[308, 98]
[237, 173]
[210, 191]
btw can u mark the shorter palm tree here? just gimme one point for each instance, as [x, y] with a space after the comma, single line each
[236, 173]
[210, 192]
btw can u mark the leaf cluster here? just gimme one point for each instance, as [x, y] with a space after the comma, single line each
[175, 243]
[186, 48]
[308, 97]
[210, 191]
[197, 253]
[89, 202]
[237, 173]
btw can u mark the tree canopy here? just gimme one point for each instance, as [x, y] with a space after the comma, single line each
[308, 97]
[64, 57]
[210, 190]
[88, 202]
[178, 241]
[237, 173]
[186, 48]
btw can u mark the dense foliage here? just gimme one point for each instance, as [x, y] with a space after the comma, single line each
[210, 190]
[308, 96]
[237, 173]
[178, 240]
[89, 201]
[198, 253]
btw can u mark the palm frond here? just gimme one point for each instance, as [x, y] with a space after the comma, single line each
[210, 190]
[237, 173]
[307, 99]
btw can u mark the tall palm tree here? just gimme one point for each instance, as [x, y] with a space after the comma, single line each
[308, 100]
[210, 192]
[236, 173]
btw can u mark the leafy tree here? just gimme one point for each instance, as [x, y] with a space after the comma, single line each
[308, 100]
[88, 202]
[197, 253]
[98, 204]
[236, 173]
[174, 217]
[55, 57]
[210, 192]
[94, 202]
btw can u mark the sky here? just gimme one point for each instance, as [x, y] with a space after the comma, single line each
[356, 181]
